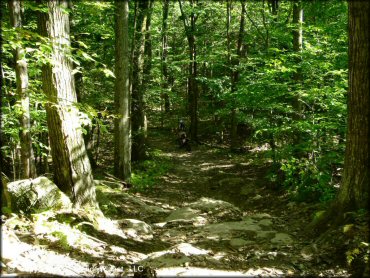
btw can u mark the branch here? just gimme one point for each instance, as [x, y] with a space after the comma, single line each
[186, 23]
[255, 26]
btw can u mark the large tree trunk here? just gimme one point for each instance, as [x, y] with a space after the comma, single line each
[21, 71]
[72, 170]
[137, 104]
[122, 129]
[354, 190]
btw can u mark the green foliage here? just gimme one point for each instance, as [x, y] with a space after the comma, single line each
[306, 182]
[62, 240]
[146, 174]
[360, 254]
[309, 169]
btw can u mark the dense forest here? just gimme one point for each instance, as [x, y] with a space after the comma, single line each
[189, 137]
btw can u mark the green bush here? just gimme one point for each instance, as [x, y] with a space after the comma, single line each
[145, 174]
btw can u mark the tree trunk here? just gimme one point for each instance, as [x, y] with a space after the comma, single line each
[240, 51]
[193, 93]
[21, 70]
[137, 104]
[147, 66]
[193, 88]
[354, 190]
[122, 130]
[164, 68]
[72, 170]
[297, 76]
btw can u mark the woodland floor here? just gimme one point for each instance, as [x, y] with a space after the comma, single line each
[211, 214]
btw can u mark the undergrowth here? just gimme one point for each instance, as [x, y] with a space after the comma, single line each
[145, 174]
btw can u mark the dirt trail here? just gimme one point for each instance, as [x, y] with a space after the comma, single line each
[212, 214]
[224, 205]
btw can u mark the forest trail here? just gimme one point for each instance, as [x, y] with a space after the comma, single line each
[211, 214]
[227, 220]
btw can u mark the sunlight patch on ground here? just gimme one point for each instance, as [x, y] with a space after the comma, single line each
[172, 180]
[211, 166]
[177, 155]
[28, 258]
[206, 272]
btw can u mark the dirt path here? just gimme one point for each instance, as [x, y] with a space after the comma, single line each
[212, 214]
[223, 205]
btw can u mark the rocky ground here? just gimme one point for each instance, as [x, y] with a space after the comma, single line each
[211, 214]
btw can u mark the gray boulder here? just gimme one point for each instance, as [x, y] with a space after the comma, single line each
[37, 194]
[218, 209]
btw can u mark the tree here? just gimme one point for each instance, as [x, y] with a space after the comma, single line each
[21, 70]
[122, 129]
[297, 75]
[235, 74]
[137, 103]
[193, 93]
[72, 169]
[164, 53]
[147, 65]
[274, 8]
[354, 191]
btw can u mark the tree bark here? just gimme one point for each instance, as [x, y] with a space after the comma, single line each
[193, 93]
[21, 71]
[354, 192]
[122, 129]
[235, 74]
[137, 104]
[164, 68]
[147, 66]
[297, 75]
[72, 169]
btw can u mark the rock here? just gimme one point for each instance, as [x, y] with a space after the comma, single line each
[265, 234]
[264, 272]
[282, 238]
[164, 259]
[260, 215]
[188, 249]
[193, 271]
[184, 214]
[133, 228]
[221, 210]
[227, 230]
[37, 194]
[139, 226]
[178, 255]
[265, 222]
[239, 242]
